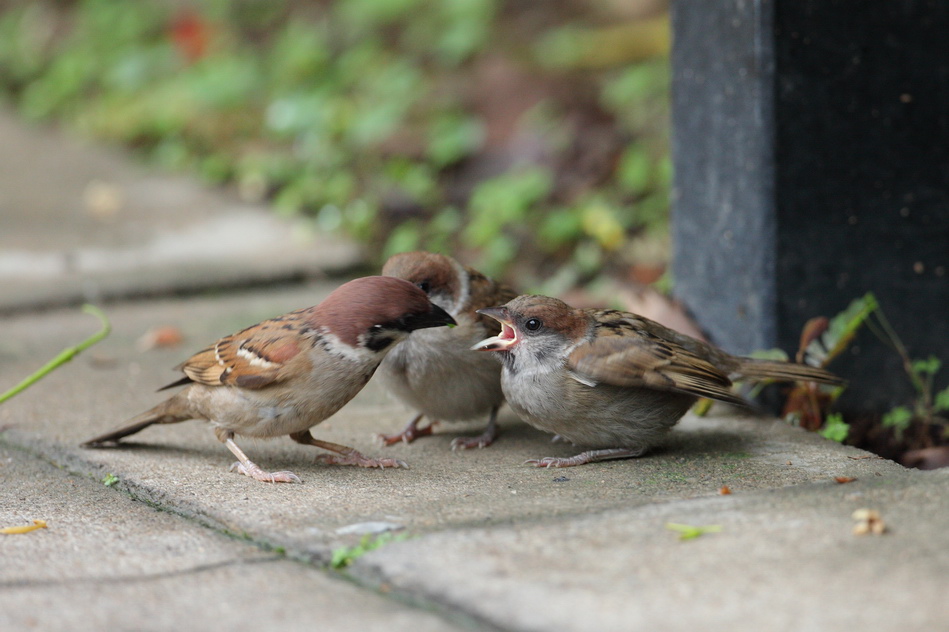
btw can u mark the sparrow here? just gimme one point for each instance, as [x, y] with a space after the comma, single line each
[434, 371]
[610, 380]
[287, 374]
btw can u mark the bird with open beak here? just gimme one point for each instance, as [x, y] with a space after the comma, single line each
[612, 381]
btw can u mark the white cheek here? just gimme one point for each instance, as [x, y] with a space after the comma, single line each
[335, 347]
[536, 355]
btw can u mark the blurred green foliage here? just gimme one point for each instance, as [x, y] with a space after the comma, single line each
[370, 116]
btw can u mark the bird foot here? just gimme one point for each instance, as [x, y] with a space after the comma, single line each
[409, 434]
[355, 458]
[592, 456]
[255, 472]
[482, 440]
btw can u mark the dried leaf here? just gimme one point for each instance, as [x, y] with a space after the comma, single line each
[160, 337]
[724, 490]
[813, 329]
[37, 524]
[841, 330]
[844, 479]
[868, 521]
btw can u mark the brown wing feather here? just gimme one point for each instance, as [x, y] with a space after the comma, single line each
[639, 356]
[252, 358]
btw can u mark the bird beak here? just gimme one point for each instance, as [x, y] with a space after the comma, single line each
[435, 318]
[504, 340]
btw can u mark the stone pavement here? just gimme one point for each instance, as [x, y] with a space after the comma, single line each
[481, 541]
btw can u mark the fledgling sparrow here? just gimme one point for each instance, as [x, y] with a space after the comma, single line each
[434, 371]
[610, 380]
[287, 374]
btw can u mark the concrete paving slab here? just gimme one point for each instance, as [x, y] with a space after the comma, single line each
[514, 547]
[785, 559]
[82, 223]
[106, 562]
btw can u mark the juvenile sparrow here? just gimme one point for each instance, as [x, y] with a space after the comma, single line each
[612, 380]
[434, 371]
[286, 375]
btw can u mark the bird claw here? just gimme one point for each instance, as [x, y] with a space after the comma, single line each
[551, 461]
[469, 443]
[591, 456]
[482, 440]
[255, 472]
[409, 434]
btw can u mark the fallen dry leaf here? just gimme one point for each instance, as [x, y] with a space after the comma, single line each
[868, 522]
[844, 479]
[26, 528]
[813, 329]
[724, 490]
[160, 337]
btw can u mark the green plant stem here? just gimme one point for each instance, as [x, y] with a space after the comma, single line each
[65, 355]
[923, 387]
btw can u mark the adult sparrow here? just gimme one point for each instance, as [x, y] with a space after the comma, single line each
[612, 380]
[434, 371]
[286, 375]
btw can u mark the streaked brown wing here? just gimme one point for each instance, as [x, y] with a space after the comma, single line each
[252, 358]
[625, 356]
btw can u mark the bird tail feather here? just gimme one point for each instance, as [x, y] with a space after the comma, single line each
[169, 411]
[757, 370]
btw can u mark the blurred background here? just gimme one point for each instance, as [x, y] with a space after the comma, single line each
[529, 139]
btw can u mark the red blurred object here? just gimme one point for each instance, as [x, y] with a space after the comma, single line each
[191, 34]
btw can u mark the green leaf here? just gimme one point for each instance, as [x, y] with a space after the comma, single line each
[690, 532]
[770, 354]
[835, 428]
[344, 556]
[635, 170]
[404, 238]
[452, 137]
[929, 366]
[110, 480]
[843, 327]
[899, 419]
[941, 401]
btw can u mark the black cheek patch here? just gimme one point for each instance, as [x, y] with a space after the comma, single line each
[379, 343]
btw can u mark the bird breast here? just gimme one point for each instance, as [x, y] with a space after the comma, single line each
[435, 372]
[602, 416]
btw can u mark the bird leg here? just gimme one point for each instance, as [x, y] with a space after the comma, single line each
[410, 433]
[482, 440]
[248, 468]
[592, 456]
[344, 455]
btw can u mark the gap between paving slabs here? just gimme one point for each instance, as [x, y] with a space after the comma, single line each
[138, 493]
[183, 468]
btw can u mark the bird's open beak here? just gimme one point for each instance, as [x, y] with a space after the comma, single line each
[435, 318]
[504, 340]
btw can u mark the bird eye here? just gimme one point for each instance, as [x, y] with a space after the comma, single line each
[533, 324]
[425, 286]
